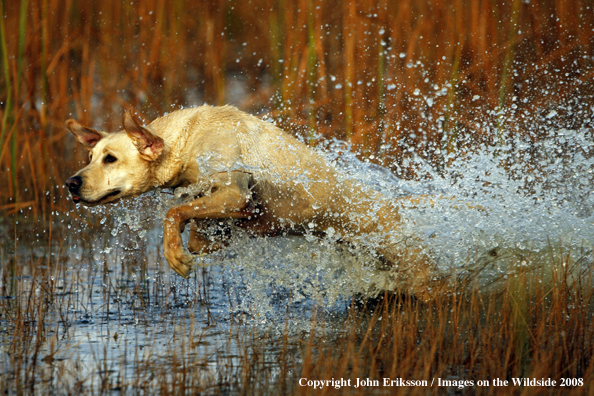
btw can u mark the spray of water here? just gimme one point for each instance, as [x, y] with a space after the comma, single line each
[487, 214]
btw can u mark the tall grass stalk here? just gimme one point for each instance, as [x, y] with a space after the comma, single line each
[275, 39]
[349, 65]
[381, 92]
[14, 138]
[450, 126]
[312, 74]
[507, 67]
[7, 116]
[44, 76]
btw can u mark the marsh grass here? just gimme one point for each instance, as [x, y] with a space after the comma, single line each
[395, 79]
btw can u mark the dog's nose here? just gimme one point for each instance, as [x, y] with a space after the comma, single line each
[74, 184]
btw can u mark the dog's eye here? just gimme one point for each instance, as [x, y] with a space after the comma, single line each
[110, 159]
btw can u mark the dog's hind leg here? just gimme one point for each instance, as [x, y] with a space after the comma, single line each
[228, 198]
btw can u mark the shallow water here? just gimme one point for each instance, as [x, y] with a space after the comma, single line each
[112, 310]
[113, 307]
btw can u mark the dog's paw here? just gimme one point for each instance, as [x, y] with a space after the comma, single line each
[180, 261]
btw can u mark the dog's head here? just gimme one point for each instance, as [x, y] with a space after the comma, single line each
[120, 162]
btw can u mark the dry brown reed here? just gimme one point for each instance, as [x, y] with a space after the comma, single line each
[532, 330]
[382, 75]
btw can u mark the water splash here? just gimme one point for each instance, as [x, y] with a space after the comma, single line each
[489, 214]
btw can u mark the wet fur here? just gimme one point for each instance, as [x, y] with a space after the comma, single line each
[257, 174]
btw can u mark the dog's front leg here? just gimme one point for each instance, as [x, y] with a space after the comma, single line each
[228, 199]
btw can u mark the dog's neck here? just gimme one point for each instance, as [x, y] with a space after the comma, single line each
[177, 172]
[171, 175]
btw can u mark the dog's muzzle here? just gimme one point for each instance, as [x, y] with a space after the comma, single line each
[73, 185]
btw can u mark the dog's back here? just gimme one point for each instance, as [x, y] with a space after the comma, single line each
[208, 140]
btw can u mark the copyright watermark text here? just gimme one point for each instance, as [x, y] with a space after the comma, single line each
[439, 382]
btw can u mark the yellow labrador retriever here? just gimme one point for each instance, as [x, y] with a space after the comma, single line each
[246, 169]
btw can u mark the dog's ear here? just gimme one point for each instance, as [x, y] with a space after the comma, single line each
[149, 146]
[88, 137]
